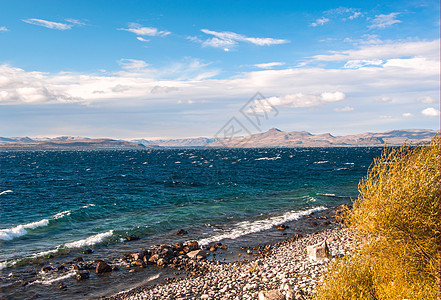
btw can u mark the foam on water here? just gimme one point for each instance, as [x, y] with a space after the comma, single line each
[5, 192]
[48, 280]
[91, 240]
[20, 230]
[247, 227]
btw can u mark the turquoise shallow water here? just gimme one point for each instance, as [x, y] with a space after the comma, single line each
[60, 202]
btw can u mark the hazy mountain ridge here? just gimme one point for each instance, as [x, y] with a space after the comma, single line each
[271, 138]
[62, 143]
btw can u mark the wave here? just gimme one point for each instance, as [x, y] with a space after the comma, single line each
[247, 227]
[20, 230]
[5, 192]
[268, 158]
[91, 240]
[51, 278]
[321, 162]
[326, 195]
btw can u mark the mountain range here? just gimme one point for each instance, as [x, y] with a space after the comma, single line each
[271, 138]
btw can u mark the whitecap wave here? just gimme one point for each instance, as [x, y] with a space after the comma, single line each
[247, 227]
[268, 158]
[5, 192]
[321, 162]
[91, 240]
[22, 229]
[326, 195]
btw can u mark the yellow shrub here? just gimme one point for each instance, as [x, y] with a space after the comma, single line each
[397, 222]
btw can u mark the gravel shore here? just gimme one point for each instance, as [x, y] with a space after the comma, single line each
[284, 267]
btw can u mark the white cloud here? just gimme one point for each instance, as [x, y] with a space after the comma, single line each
[49, 24]
[145, 31]
[132, 64]
[359, 63]
[269, 65]
[76, 22]
[142, 39]
[426, 100]
[355, 15]
[227, 40]
[430, 112]
[344, 109]
[407, 115]
[321, 21]
[426, 49]
[383, 21]
[3, 29]
[298, 100]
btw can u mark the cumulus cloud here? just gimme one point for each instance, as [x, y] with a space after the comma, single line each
[383, 21]
[344, 109]
[49, 24]
[426, 100]
[320, 22]
[430, 112]
[227, 40]
[3, 29]
[145, 31]
[269, 65]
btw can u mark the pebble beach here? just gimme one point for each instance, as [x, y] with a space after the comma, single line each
[283, 271]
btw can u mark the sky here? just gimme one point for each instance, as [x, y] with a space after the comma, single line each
[176, 69]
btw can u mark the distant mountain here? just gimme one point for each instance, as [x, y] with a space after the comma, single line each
[271, 138]
[189, 142]
[277, 138]
[64, 143]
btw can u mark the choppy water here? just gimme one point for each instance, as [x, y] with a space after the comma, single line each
[60, 202]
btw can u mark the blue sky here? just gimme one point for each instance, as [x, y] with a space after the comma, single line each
[170, 69]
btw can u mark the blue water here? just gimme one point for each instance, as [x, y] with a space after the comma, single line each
[58, 201]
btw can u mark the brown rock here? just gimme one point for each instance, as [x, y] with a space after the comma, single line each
[213, 248]
[282, 227]
[178, 246]
[102, 267]
[193, 245]
[224, 247]
[154, 258]
[161, 262]
[195, 253]
[82, 275]
[46, 269]
[132, 238]
[87, 251]
[78, 259]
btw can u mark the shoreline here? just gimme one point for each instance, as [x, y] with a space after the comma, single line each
[282, 266]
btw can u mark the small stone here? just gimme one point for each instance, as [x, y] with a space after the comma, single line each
[271, 295]
[78, 259]
[132, 238]
[82, 275]
[46, 269]
[102, 267]
[87, 251]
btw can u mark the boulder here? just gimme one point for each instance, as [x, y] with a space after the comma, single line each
[102, 267]
[193, 245]
[282, 227]
[46, 269]
[224, 247]
[78, 259]
[161, 262]
[154, 258]
[132, 238]
[271, 295]
[82, 275]
[178, 246]
[318, 251]
[182, 232]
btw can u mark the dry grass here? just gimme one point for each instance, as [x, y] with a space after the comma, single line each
[396, 219]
